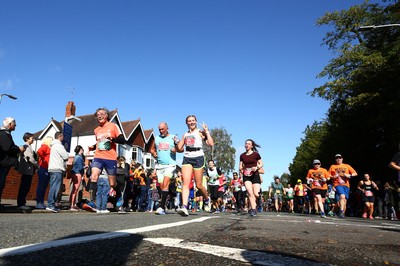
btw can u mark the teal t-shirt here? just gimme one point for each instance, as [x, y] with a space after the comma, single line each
[164, 146]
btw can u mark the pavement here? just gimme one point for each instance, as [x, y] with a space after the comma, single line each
[10, 206]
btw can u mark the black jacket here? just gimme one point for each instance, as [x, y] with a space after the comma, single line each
[8, 150]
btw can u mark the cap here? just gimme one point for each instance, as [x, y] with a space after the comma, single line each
[298, 180]
[316, 161]
[338, 155]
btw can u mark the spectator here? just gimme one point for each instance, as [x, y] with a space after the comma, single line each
[103, 188]
[43, 174]
[57, 166]
[122, 179]
[77, 171]
[8, 151]
[27, 167]
[178, 185]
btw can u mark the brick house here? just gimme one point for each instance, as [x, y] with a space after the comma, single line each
[138, 143]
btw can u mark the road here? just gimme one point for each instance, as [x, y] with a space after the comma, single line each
[82, 238]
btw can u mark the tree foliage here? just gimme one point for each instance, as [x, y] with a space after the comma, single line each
[222, 152]
[363, 88]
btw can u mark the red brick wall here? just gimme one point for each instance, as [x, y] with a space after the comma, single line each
[14, 179]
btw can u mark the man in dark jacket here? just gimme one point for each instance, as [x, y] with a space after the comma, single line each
[8, 150]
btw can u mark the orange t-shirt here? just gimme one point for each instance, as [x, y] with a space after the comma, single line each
[106, 149]
[337, 172]
[317, 175]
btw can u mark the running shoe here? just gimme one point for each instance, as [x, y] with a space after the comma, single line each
[53, 209]
[322, 214]
[24, 208]
[75, 209]
[183, 211]
[371, 217]
[330, 213]
[207, 205]
[120, 201]
[160, 211]
[253, 213]
[341, 215]
[364, 215]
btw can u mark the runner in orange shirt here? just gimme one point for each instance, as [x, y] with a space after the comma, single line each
[317, 177]
[107, 135]
[341, 173]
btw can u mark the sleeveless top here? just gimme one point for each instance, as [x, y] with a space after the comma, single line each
[194, 144]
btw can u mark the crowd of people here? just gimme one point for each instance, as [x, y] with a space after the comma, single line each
[116, 185]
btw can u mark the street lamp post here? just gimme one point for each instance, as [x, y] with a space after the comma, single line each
[371, 27]
[8, 95]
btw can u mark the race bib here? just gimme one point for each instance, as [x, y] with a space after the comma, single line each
[316, 183]
[368, 193]
[162, 146]
[341, 181]
[104, 145]
[189, 141]
[248, 172]
[278, 191]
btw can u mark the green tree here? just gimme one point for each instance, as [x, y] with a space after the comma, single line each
[363, 88]
[222, 152]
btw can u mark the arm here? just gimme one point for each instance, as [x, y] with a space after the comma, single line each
[359, 186]
[153, 150]
[206, 133]
[394, 166]
[181, 143]
[120, 139]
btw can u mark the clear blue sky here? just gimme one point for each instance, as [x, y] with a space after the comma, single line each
[243, 65]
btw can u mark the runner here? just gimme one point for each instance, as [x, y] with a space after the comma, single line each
[250, 163]
[318, 177]
[366, 187]
[193, 160]
[341, 173]
[107, 135]
[164, 150]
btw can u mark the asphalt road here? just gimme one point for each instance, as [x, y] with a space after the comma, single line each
[82, 238]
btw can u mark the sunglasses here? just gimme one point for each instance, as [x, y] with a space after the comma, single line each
[317, 164]
[338, 157]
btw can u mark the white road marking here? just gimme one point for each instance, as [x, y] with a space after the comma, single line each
[83, 239]
[243, 255]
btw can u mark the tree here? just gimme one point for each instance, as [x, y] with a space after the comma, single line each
[222, 152]
[362, 87]
[309, 149]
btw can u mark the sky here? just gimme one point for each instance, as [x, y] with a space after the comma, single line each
[246, 66]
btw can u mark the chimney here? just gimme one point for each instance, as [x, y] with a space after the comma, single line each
[70, 109]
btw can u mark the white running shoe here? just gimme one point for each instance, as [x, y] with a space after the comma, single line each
[183, 211]
[160, 211]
